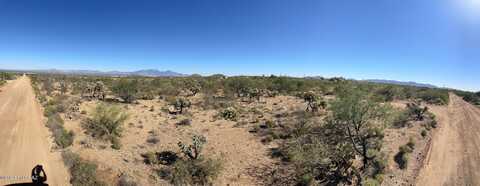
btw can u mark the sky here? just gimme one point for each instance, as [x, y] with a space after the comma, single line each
[429, 41]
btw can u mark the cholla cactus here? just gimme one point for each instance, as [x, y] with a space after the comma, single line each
[416, 111]
[229, 114]
[181, 103]
[254, 93]
[193, 151]
[314, 103]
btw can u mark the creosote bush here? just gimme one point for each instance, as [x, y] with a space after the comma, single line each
[195, 169]
[82, 172]
[106, 123]
[402, 156]
[195, 172]
[62, 137]
[126, 89]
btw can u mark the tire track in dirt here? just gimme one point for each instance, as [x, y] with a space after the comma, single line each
[455, 152]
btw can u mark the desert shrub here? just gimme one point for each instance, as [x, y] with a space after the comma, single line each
[184, 122]
[164, 158]
[126, 180]
[360, 120]
[115, 143]
[106, 122]
[50, 110]
[424, 133]
[62, 137]
[82, 172]
[181, 103]
[150, 158]
[434, 96]
[401, 118]
[192, 86]
[433, 123]
[371, 182]
[6, 76]
[153, 140]
[416, 111]
[389, 93]
[229, 114]
[402, 156]
[126, 89]
[314, 102]
[195, 172]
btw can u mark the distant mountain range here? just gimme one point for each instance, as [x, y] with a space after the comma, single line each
[409, 83]
[146, 73]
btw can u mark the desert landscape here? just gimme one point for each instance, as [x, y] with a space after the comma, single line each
[221, 130]
[239, 93]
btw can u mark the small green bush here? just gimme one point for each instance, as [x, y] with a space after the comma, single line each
[195, 172]
[126, 89]
[62, 137]
[126, 180]
[401, 119]
[424, 133]
[402, 156]
[229, 114]
[82, 173]
[106, 123]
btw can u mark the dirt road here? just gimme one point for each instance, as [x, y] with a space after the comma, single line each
[24, 140]
[454, 157]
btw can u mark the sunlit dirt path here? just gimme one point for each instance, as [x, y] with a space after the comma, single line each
[24, 139]
[454, 157]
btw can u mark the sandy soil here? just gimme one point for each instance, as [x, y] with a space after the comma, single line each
[455, 151]
[24, 138]
[239, 150]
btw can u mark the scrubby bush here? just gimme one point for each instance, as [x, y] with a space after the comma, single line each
[424, 133]
[229, 114]
[181, 103]
[6, 76]
[314, 102]
[195, 172]
[106, 123]
[126, 180]
[62, 137]
[82, 172]
[434, 96]
[184, 122]
[401, 118]
[164, 158]
[126, 89]
[416, 111]
[402, 156]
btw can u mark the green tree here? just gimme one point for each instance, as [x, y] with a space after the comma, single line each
[126, 89]
[360, 122]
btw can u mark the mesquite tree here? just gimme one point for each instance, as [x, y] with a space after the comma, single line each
[361, 122]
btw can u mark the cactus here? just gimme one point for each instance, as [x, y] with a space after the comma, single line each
[314, 103]
[417, 112]
[229, 114]
[194, 150]
[181, 103]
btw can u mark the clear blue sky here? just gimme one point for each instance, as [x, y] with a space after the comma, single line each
[432, 41]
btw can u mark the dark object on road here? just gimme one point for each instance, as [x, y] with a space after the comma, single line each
[38, 175]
